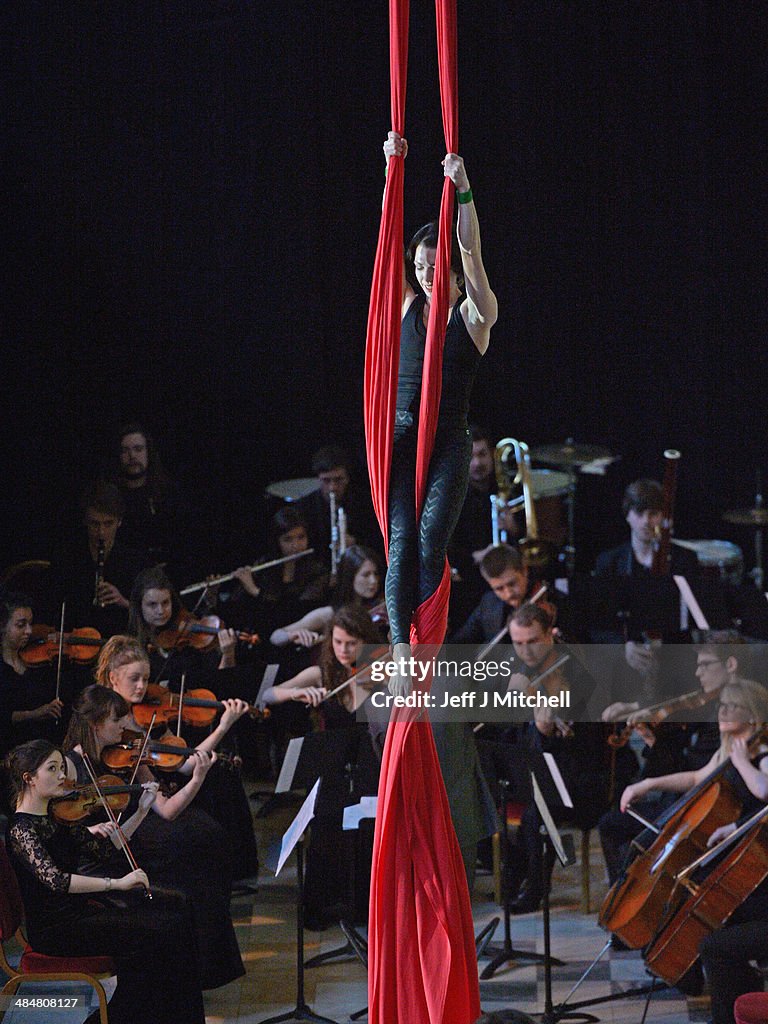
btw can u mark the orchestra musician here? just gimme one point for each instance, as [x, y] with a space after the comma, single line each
[29, 708]
[473, 535]
[152, 942]
[727, 952]
[358, 584]
[94, 575]
[326, 888]
[156, 518]
[334, 471]
[124, 666]
[509, 583]
[581, 755]
[642, 508]
[265, 599]
[179, 842]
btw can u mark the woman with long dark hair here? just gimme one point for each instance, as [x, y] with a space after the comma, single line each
[70, 914]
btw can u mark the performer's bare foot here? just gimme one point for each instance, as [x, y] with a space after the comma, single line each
[401, 683]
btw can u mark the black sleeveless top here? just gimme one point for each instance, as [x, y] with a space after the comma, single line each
[460, 361]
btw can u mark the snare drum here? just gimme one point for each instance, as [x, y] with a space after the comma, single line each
[719, 560]
[293, 490]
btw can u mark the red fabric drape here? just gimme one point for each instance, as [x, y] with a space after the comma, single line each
[422, 967]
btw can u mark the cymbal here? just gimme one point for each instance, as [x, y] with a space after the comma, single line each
[568, 454]
[747, 516]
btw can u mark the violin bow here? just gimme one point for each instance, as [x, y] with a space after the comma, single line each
[111, 815]
[61, 650]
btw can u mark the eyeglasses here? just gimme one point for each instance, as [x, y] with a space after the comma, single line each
[708, 663]
[729, 707]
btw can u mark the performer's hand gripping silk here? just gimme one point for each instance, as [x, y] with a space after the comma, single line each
[417, 548]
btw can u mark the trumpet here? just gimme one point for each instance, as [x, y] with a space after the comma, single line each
[99, 578]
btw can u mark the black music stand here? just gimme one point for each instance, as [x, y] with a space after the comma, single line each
[505, 952]
[301, 1011]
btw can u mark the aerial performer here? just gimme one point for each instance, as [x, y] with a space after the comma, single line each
[417, 548]
[422, 964]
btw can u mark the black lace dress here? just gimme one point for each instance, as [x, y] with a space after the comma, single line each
[151, 941]
[191, 854]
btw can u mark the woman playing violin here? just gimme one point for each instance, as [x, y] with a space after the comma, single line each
[29, 707]
[123, 666]
[155, 609]
[178, 843]
[358, 585]
[72, 914]
[327, 891]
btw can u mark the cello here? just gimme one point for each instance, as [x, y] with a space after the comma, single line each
[704, 906]
[636, 902]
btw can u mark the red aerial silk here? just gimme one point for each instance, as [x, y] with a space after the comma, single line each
[422, 967]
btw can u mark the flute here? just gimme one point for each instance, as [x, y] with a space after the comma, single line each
[251, 568]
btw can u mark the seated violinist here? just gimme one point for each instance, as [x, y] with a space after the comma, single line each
[509, 581]
[68, 913]
[157, 618]
[179, 842]
[123, 666]
[327, 889]
[358, 585]
[29, 708]
[578, 747]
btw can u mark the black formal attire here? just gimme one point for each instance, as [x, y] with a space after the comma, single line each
[358, 509]
[191, 854]
[151, 941]
[417, 549]
[621, 561]
[338, 875]
[75, 576]
[37, 686]
[676, 749]
[158, 521]
[473, 532]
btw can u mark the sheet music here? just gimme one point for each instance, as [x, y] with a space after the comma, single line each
[549, 824]
[270, 675]
[288, 767]
[557, 778]
[298, 826]
[690, 602]
[354, 814]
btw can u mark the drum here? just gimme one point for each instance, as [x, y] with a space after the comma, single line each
[548, 488]
[719, 560]
[293, 490]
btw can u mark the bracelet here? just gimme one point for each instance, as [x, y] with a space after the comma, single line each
[109, 884]
[464, 197]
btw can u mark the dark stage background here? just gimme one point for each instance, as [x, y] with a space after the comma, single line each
[193, 200]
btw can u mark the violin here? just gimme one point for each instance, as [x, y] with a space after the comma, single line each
[83, 800]
[168, 754]
[200, 633]
[658, 713]
[550, 680]
[362, 676]
[79, 645]
[198, 707]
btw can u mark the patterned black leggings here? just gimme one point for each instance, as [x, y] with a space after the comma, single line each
[417, 550]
